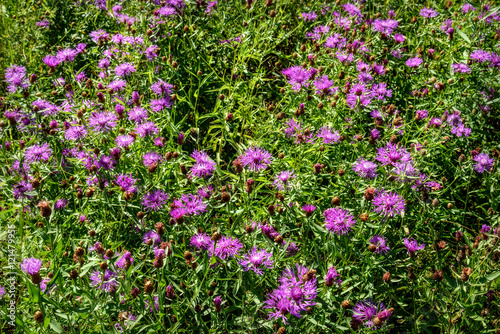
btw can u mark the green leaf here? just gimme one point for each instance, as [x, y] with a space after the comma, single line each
[464, 36]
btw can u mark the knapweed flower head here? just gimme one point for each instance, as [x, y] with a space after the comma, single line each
[366, 311]
[338, 220]
[193, 204]
[256, 159]
[226, 247]
[151, 158]
[380, 244]
[480, 56]
[283, 180]
[105, 281]
[38, 153]
[153, 236]
[124, 261]
[332, 276]
[31, 266]
[388, 203]
[155, 200]
[126, 182]
[308, 209]
[485, 229]
[483, 163]
[124, 69]
[365, 168]
[412, 246]
[385, 26]
[391, 154]
[201, 241]
[102, 122]
[20, 190]
[297, 77]
[257, 259]
[414, 62]
[428, 12]
[204, 165]
[328, 135]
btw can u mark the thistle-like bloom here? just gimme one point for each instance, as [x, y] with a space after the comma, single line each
[380, 244]
[162, 88]
[323, 86]
[226, 247]
[126, 182]
[297, 77]
[16, 77]
[138, 115]
[205, 191]
[2, 292]
[388, 203]
[192, 204]
[51, 61]
[151, 158]
[124, 69]
[308, 209]
[311, 16]
[256, 159]
[204, 165]
[153, 236]
[480, 55]
[358, 95]
[338, 220]
[422, 114]
[102, 122]
[38, 153]
[332, 276]
[404, 170]
[485, 229]
[118, 85]
[365, 168]
[21, 189]
[217, 303]
[67, 55]
[256, 259]
[428, 12]
[155, 200]
[385, 26]
[296, 292]
[414, 62]
[124, 140]
[75, 132]
[484, 163]
[391, 153]
[201, 241]
[460, 130]
[31, 266]
[366, 311]
[380, 91]
[147, 129]
[282, 181]
[60, 204]
[104, 281]
[412, 246]
[124, 261]
[329, 136]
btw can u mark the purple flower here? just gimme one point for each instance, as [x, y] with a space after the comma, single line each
[293, 295]
[332, 277]
[155, 200]
[329, 136]
[226, 247]
[485, 229]
[282, 181]
[399, 38]
[67, 55]
[124, 260]
[31, 266]
[51, 61]
[206, 191]
[21, 188]
[204, 165]
[103, 121]
[162, 88]
[468, 7]
[366, 311]
[201, 241]
[192, 204]
[365, 168]
[412, 246]
[124, 140]
[256, 159]
[104, 281]
[358, 94]
[404, 169]
[99, 35]
[38, 153]
[338, 220]
[428, 12]
[60, 204]
[2, 292]
[480, 55]
[323, 86]
[117, 85]
[126, 182]
[312, 16]
[461, 130]
[391, 153]
[380, 91]
[147, 129]
[297, 76]
[352, 10]
[210, 6]
[422, 114]
[414, 62]
[385, 26]
[169, 290]
[388, 203]
[151, 158]
[217, 303]
[256, 259]
[308, 209]
[124, 69]
[380, 244]
[484, 162]
[335, 41]
[151, 235]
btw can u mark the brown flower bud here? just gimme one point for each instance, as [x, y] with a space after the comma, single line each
[346, 304]
[73, 274]
[216, 236]
[387, 277]
[79, 251]
[336, 201]
[148, 287]
[103, 266]
[38, 317]
[225, 197]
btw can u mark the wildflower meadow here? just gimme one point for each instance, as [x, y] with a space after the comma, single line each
[255, 166]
